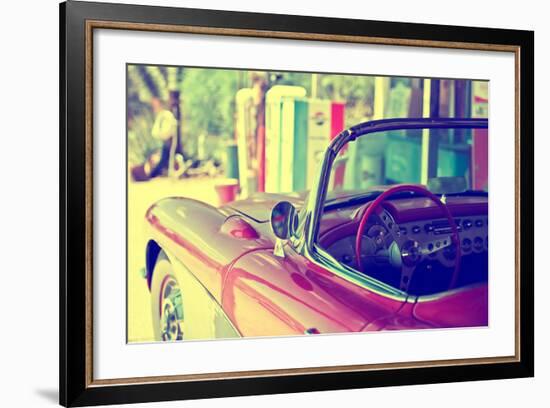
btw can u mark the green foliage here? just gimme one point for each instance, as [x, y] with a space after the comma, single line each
[140, 117]
[292, 78]
[356, 91]
[144, 83]
[208, 102]
[140, 143]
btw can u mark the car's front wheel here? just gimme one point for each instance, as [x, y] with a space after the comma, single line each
[166, 302]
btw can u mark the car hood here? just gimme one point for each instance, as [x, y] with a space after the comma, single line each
[259, 205]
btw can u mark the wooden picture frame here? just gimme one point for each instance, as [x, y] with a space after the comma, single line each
[78, 20]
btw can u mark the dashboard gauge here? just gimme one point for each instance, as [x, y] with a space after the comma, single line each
[377, 233]
[450, 252]
[369, 247]
[371, 253]
[344, 250]
[478, 244]
[410, 253]
[466, 245]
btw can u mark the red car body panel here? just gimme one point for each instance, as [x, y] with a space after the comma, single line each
[284, 296]
[230, 251]
[404, 319]
[459, 309]
[192, 231]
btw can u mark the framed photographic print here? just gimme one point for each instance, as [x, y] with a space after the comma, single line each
[256, 203]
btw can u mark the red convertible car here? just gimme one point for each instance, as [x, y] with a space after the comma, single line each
[390, 236]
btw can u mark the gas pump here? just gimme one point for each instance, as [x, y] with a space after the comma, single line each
[275, 98]
[480, 137]
[298, 131]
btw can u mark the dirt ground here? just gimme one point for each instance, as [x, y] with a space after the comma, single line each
[140, 197]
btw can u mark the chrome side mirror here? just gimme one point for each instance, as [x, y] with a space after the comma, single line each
[283, 220]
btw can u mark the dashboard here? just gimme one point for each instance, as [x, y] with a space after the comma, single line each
[433, 237]
[473, 232]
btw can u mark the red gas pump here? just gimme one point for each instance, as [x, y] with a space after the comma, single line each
[480, 137]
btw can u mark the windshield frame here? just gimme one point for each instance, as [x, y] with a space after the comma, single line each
[317, 196]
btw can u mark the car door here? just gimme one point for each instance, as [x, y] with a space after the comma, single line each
[268, 295]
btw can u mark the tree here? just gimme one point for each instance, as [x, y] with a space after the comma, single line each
[356, 90]
[208, 104]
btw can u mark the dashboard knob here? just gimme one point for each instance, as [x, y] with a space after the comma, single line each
[478, 243]
[410, 253]
[450, 252]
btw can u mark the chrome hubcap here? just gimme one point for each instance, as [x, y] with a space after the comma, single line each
[171, 318]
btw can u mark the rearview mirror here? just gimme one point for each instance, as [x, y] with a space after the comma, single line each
[283, 219]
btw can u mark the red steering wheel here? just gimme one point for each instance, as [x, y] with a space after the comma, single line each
[411, 251]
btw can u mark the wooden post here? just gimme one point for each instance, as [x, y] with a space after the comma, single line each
[428, 166]
[260, 87]
[314, 83]
[381, 96]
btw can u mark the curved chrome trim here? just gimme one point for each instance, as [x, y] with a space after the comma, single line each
[440, 295]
